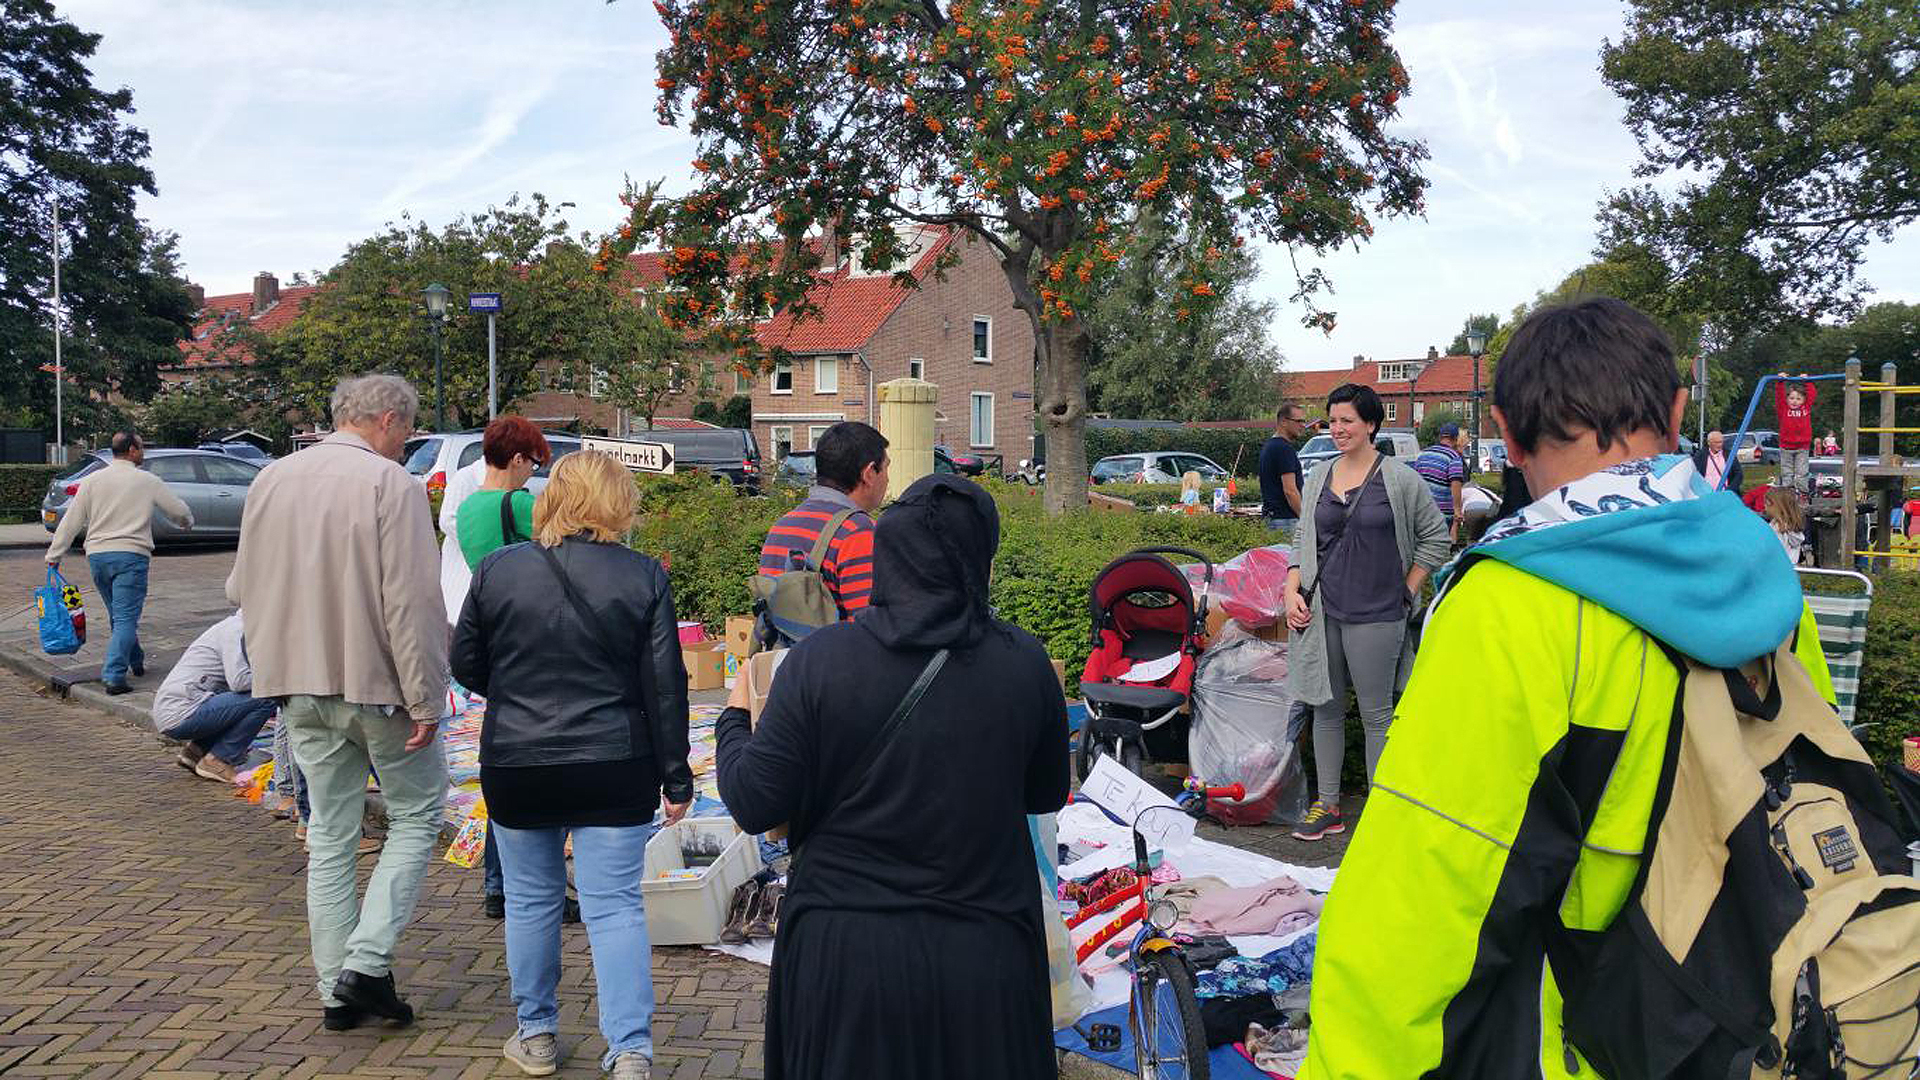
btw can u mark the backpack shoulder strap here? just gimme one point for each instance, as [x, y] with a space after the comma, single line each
[827, 533]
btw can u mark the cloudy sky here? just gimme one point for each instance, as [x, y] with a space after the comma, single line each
[282, 132]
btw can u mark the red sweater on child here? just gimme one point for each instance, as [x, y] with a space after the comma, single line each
[1796, 425]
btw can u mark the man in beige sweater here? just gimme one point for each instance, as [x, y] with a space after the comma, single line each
[340, 579]
[114, 510]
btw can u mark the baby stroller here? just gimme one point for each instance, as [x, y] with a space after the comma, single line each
[1147, 633]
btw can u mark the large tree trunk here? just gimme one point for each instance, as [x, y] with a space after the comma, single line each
[1060, 354]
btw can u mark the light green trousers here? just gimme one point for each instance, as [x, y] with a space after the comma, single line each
[336, 743]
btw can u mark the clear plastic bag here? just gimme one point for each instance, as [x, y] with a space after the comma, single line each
[1250, 588]
[1241, 732]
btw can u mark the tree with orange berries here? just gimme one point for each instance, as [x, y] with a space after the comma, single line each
[1037, 128]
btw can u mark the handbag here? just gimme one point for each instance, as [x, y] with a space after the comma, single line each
[63, 621]
[880, 740]
[1353, 500]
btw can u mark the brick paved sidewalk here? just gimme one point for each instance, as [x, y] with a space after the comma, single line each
[152, 926]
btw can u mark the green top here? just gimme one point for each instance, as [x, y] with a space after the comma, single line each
[477, 523]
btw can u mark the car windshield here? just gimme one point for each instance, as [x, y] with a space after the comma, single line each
[421, 454]
[80, 468]
[1319, 444]
[1122, 466]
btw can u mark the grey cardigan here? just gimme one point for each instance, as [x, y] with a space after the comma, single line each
[1419, 531]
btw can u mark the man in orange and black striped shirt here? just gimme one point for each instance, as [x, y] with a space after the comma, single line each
[850, 460]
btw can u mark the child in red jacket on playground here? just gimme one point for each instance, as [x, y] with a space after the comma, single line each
[1793, 404]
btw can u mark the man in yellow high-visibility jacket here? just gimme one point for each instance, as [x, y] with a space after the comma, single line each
[1546, 647]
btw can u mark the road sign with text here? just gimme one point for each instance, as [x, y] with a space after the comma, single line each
[488, 302]
[647, 457]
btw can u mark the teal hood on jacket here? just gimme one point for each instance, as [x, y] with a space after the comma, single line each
[1649, 541]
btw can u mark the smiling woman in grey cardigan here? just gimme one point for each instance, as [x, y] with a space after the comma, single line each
[1369, 535]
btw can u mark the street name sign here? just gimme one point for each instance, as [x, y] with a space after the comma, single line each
[488, 302]
[646, 457]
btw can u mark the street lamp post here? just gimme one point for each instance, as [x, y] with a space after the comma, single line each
[1476, 347]
[435, 296]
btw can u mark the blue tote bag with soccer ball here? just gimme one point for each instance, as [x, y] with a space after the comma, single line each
[63, 622]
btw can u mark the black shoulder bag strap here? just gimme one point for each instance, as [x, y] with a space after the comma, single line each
[858, 774]
[1353, 500]
[509, 528]
[598, 631]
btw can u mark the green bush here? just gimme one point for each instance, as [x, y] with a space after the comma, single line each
[1890, 674]
[23, 486]
[1235, 449]
[710, 539]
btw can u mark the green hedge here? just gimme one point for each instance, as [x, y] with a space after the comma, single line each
[710, 538]
[23, 486]
[1223, 445]
[1890, 674]
[1147, 496]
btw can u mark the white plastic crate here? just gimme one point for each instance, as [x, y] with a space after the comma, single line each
[692, 911]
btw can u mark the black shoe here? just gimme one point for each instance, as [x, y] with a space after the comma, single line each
[495, 906]
[374, 995]
[570, 912]
[139, 670]
[341, 1018]
[115, 689]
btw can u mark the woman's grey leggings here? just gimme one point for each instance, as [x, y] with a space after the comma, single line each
[1368, 656]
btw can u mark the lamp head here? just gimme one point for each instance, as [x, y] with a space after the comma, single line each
[435, 296]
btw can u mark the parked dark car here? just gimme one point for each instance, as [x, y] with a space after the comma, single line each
[800, 470]
[724, 452]
[213, 485]
[963, 463]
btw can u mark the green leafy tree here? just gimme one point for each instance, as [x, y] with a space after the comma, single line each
[1797, 128]
[1429, 430]
[645, 360]
[1036, 129]
[368, 314]
[1154, 357]
[1487, 324]
[125, 306]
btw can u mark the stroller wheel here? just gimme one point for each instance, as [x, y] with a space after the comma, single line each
[1083, 754]
[1131, 759]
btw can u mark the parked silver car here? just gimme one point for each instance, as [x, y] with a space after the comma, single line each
[433, 459]
[1155, 467]
[213, 485]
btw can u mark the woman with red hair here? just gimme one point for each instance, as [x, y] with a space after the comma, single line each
[501, 512]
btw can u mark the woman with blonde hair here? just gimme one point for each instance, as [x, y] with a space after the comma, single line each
[574, 642]
[1788, 520]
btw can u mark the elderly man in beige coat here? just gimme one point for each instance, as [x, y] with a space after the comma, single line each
[339, 576]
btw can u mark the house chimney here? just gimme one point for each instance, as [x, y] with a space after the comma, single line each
[830, 243]
[1358, 359]
[266, 290]
[197, 296]
[1432, 353]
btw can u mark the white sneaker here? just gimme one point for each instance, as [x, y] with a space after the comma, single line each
[631, 1065]
[536, 1055]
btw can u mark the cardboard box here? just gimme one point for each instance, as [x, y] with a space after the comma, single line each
[739, 635]
[760, 670]
[1108, 503]
[706, 665]
[1060, 672]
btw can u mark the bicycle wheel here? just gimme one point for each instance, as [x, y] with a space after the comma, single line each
[1168, 1040]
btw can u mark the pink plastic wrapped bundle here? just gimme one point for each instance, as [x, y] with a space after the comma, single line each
[1250, 587]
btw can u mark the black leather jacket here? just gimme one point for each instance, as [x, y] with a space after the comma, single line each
[560, 693]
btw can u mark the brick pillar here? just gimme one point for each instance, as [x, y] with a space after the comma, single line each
[906, 419]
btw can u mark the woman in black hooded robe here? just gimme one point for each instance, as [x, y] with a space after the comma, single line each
[910, 941]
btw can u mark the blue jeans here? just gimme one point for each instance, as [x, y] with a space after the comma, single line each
[496, 878]
[120, 577]
[225, 725]
[1282, 524]
[608, 864]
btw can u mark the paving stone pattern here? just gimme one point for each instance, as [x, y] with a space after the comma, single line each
[152, 926]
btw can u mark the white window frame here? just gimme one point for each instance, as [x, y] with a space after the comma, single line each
[826, 375]
[814, 431]
[742, 383]
[774, 440]
[973, 405]
[782, 367]
[596, 381]
[1396, 371]
[916, 367]
[1393, 411]
[1419, 411]
[977, 320]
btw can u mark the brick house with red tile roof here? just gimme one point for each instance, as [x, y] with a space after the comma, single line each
[1445, 382]
[212, 349]
[959, 331]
